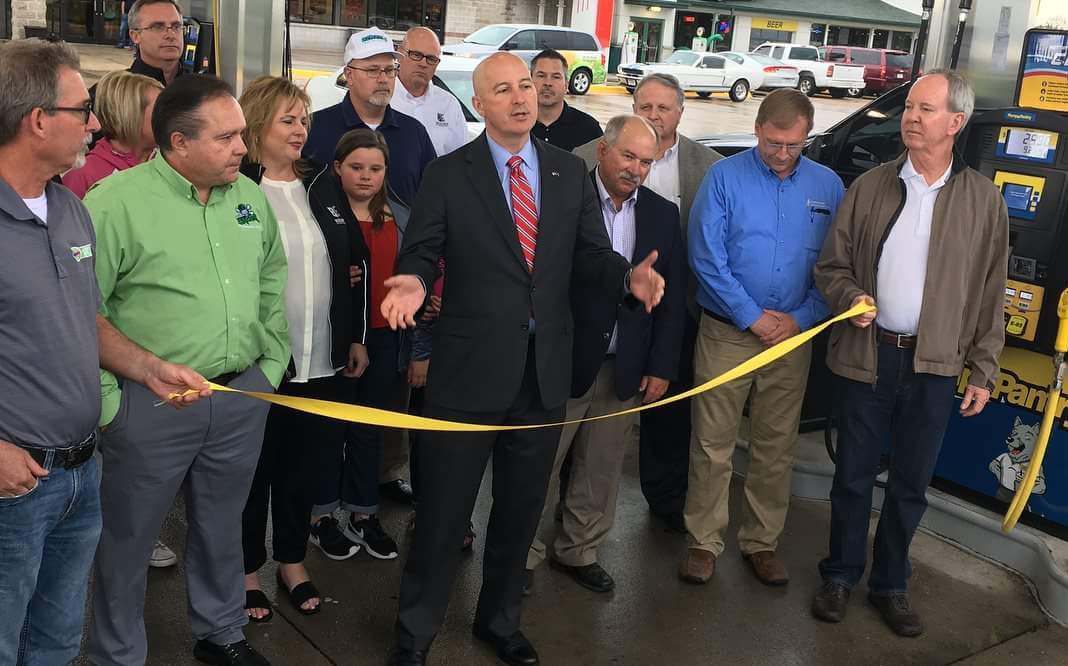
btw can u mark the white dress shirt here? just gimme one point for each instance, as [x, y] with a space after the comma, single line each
[663, 176]
[308, 289]
[903, 264]
[439, 112]
[622, 230]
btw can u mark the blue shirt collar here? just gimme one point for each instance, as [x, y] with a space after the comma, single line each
[352, 119]
[501, 155]
[763, 167]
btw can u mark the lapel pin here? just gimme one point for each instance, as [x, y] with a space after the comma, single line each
[555, 173]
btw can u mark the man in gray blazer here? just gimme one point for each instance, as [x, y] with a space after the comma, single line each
[676, 175]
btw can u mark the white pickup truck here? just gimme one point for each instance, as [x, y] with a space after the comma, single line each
[815, 74]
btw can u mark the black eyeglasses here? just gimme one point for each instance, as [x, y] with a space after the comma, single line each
[86, 110]
[418, 55]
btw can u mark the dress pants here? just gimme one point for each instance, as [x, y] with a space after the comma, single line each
[450, 470]
[296, 445]
[904, 413]
[664, 439]
[775, 392]
[210, 450]
[597, 451]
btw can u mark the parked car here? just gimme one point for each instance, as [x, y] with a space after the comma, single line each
[883, 68]
[454, 75]
[703, 73]
[814, 74]
[776, 73]
[585, 59]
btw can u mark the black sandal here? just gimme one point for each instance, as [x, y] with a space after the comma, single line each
[257, 599]
[300, 594]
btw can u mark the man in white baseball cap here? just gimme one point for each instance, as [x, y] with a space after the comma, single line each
[371, 73]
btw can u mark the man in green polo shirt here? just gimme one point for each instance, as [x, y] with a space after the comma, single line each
[191, 270]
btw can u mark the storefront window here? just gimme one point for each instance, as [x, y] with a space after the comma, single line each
[383, 13]
[817, 34]
[312, 11]
[901, 41]
[880, 39]
[354, 13]
[386, 14]
[761, 35]
[845, 36]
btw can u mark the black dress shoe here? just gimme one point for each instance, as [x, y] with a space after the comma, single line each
[231, 654]
[591, 576]
[398, 490]
[514, 650]
[672, 520]
[528, 582]
[897, 612]
[831, 602]
[399, 656]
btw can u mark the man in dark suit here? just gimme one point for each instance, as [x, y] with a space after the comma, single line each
[622, 355]
[502, 346]
[680, 166]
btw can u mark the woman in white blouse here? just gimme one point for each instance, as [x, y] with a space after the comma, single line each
[327, 315]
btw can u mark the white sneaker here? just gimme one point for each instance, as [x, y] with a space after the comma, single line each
[162, 556]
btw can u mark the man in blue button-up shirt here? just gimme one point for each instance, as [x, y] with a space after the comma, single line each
[756, 229]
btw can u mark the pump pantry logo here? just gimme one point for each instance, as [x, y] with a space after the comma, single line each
[1009, 388]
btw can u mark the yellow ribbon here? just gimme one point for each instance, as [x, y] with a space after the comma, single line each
[381, 417]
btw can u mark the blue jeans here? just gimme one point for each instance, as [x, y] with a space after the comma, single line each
[124, 31]
[352, 483]
[47, 543]
[903, 415]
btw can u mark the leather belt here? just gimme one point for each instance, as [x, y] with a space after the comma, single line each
[225, 378]
[718, 317]
[899, 340]
[68, 457]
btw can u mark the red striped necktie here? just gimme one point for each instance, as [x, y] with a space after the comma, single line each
[524, 209]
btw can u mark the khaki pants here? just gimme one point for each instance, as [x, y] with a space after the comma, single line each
[776, 392]
[596, 468]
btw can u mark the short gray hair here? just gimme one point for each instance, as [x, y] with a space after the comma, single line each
[666, 80]
[961, 96]
[615, 127]
[29, 77]
[135, 11]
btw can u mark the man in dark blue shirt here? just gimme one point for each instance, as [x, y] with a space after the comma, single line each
[371, 72]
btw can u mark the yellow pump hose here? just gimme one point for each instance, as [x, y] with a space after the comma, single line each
[1053, 401]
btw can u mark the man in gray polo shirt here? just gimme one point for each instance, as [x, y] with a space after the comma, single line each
[49, 500]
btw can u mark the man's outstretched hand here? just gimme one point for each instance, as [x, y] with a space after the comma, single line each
[404, 298]
[646, 284]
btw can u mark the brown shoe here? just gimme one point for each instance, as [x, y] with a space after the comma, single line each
[698, 566]
[768, 568]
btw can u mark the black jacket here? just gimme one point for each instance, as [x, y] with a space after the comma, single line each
[646, 343]
[345, 246]
[482, 334]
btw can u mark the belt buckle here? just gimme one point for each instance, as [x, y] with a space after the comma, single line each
[898, 337]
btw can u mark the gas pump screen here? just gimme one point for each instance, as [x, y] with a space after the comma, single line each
[1027, 144]
[1022, 192]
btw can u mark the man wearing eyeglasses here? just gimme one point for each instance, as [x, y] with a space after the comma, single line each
[371, 73]
[417, 96]
[156, 31]
[756, 229]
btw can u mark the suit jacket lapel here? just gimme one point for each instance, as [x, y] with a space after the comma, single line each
[483, 173]
[548, 212]
[644, 226]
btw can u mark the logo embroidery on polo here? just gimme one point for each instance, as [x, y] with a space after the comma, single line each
[246, 217]
[441, 117]
[337, 216]
[80, 252]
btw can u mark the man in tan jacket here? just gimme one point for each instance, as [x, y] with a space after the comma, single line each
[925, 239]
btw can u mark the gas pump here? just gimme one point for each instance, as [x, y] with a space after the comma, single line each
[198, 56]
[1023, 149]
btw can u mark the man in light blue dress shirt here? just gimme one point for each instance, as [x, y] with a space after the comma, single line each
[756, 229]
